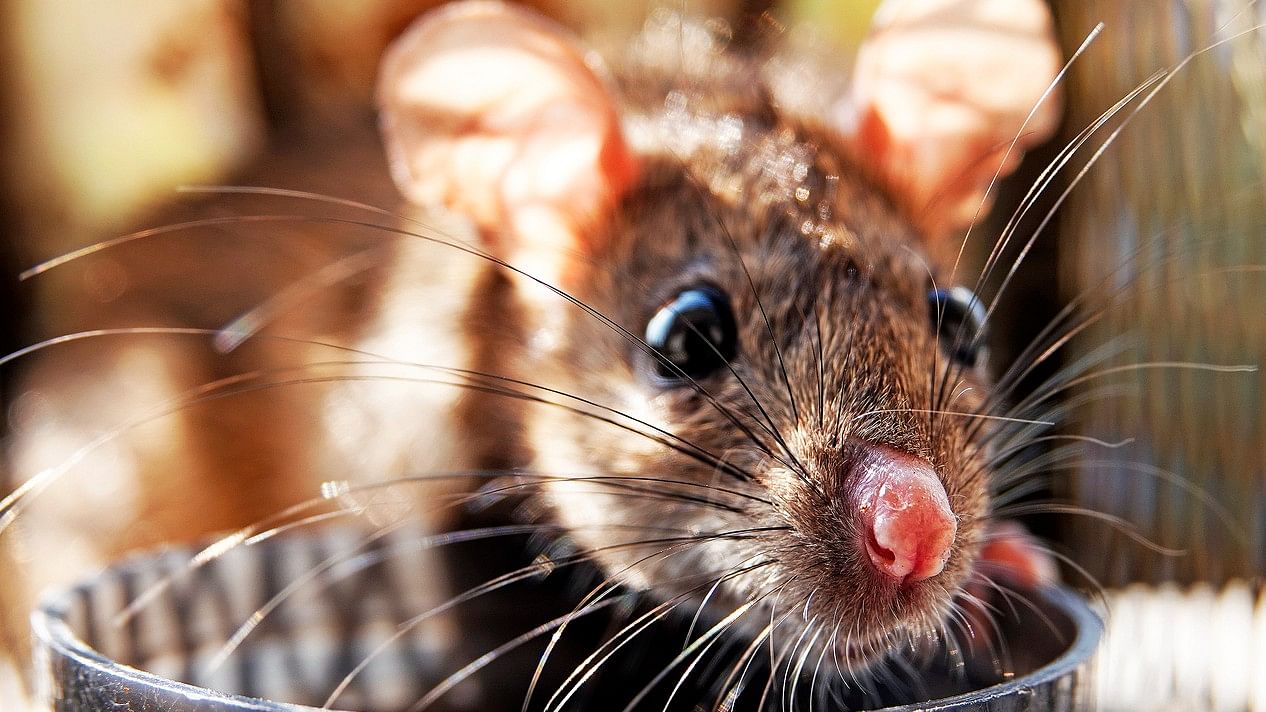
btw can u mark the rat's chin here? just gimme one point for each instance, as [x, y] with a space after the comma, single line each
[864, 650]
[861, 655]
[875, 619]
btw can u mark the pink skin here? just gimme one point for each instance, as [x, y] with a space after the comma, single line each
[905, 513]
[1011, 558]
[1013, 554]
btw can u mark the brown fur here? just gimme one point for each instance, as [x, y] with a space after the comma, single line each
[879, 353]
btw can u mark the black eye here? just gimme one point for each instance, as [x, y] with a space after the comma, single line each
[694, 332]
[960, 318]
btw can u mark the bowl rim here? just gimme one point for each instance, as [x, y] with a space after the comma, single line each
[54, 641]
[54, 638]
[1088, 631]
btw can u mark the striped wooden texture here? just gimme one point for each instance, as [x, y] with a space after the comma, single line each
[1169, 230]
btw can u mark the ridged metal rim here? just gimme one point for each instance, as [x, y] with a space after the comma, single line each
[93, 676]
[1089, 631]
[73, 676]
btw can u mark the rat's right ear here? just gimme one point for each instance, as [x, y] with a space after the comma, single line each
[941, 90]
[500, 115]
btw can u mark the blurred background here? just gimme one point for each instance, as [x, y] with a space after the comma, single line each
[109, 106]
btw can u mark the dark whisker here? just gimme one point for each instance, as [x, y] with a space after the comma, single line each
[484, 660]
[790, 691]
[734, 681]
[1117, 523]
[702, 645]
[751, 283]
[588, 667]
[1059, 77]
[523, 573]
[1160, 85]
[1004, 237]
[434, 239]
[241, 384]
[248, 324]
[817, 667]
[1014, 594]
[466, 247]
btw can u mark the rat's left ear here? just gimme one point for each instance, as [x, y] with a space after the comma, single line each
[941, 89]
[502, 116]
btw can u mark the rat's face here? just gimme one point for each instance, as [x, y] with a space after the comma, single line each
[800, 410]
[761, 396]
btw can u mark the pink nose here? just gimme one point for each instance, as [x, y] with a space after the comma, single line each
[906, 514]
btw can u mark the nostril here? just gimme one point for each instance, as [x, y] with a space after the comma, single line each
[910, 545]
[910, 527]
[878, 554]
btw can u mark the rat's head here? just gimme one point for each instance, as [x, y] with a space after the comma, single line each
[781, 387]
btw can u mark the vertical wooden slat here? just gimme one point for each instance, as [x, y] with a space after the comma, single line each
[1184, 186]
[114, 103]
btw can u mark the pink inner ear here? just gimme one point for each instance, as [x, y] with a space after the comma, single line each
[942, 88]
[495, 113]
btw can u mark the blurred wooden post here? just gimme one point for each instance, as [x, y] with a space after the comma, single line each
[113, 103]
[1170, 228]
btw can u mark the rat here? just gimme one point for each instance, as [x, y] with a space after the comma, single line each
[755, 292]
[715, 316]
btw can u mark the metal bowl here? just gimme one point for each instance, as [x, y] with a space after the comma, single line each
[167, 656]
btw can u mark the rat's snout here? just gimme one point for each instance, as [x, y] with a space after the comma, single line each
[905, 514]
